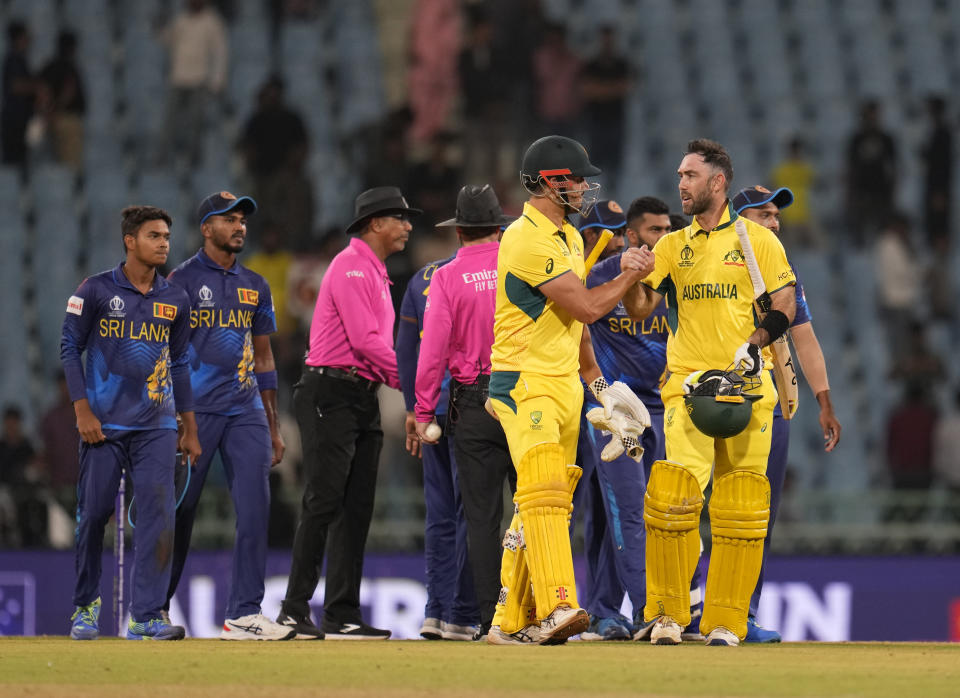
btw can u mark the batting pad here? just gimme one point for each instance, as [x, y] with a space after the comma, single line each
[543, 499]
[515, 608]
[739, 511]
[671, 512]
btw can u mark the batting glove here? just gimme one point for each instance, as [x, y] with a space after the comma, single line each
[626, 434]
[748, 359]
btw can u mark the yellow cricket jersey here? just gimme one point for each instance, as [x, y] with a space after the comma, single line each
[530, 333]
[708, 289]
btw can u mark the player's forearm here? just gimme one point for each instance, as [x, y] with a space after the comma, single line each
[601, 299]
[783, 301]
[640, 300]
[269, 399]
[188, 421]
[810, 357]
[589, 369]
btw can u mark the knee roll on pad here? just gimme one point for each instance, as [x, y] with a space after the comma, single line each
[543, 499]
[739, 511]
[672, 507]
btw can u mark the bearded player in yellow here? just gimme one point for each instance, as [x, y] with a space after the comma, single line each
[701, 271]
[540, 345]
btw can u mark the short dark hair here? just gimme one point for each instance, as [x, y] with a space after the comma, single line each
[713, 154]
[678, 222]
[646, 204]
[132, 217]
[473, 233]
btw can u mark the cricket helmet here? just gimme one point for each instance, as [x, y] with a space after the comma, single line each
[720, 402]
[553, 163]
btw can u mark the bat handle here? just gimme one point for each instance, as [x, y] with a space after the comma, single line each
[633, 447]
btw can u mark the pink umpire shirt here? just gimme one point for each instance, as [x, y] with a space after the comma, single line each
[457, 323]
[353, 320]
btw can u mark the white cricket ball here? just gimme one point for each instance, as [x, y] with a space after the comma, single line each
[433, 432]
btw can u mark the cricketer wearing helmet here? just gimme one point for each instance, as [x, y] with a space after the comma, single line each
[539, 348]
[701, 271]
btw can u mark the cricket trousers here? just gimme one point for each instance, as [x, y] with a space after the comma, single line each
[450, 592]
[483, 465]
[243, 441]
[340, 431]
[149, 456]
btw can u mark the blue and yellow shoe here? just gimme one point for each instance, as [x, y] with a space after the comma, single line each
[86, 622]
[760, 635]
[154, 629]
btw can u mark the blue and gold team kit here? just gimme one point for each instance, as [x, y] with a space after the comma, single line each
[136, 348]
[227, 307]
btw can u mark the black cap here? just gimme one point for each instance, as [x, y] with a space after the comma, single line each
[222, 202]
[379, 201]
[477, 207]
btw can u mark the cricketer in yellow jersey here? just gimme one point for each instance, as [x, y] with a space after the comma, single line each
[700, 270]
[538, 351]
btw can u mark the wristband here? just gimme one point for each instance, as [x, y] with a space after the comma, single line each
[267, 380]
[598, 385]
[775, 323]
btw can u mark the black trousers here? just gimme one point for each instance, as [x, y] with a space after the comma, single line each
[483, 464]
[340, 430]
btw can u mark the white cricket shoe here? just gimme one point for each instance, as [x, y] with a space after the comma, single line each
[666, 631]
[528, 635]
[255, 627]
[563, 622]
[452, 631]
[720, 636]
[432, 629]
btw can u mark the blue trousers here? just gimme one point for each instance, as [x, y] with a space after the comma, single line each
[246, 451]
[610, 497]
[450, 590]
[149, 457]
[776, 473]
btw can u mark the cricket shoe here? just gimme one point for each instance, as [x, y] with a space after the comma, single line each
[256, 626]
[432, 629]
[563, 622]
[482, 632]
[606, 629]
[665, 631]
[452, 631]
[527, 635]
[154, 629]
[303, 627]
[760, 635]
[353, 631]
[722, 637]
[86, 621]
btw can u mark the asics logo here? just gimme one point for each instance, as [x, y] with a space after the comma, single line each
[255, 629]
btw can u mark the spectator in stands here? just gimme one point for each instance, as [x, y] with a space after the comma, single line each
[918, 364]
[483, 73]
[899, 278]
[199, 53]
[938, 171]
[275, 146]
[62, 101]
[272, 261]
[606, 82]
[871, 174]
[18, 476]
[946, 448]
[19, 92]
[796, 173]
[61, 449]
[16, 451]
[556, 72]
[434, 183]
[434, 48]
[910, 440]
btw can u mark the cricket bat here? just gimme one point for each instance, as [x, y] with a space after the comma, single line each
[783, 367]
[594, 255]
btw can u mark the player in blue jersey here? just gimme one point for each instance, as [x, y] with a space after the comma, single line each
[763, 206]
[134, 328]
[451, 611]
[612, 492]
[235, 392]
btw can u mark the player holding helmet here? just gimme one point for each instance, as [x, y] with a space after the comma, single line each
[701, 270]
[538, 349]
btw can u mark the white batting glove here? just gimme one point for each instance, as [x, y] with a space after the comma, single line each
[749, 359]
[626, 434]
[619, 398]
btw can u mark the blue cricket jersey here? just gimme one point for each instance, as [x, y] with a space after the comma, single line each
[408, 343]
[629, 351]
[227, 308]
[136, 348]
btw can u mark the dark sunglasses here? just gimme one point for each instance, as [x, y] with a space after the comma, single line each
[405, 217]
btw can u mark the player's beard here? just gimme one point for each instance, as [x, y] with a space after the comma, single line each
[699, 203]
[231, 246]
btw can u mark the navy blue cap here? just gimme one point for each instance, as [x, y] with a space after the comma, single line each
[758, 196]
[222, 202]
[605, 214]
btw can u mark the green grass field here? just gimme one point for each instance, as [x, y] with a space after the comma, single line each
[56, 666]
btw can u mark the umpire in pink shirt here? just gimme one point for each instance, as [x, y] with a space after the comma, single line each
[458, 333]
[350, 356]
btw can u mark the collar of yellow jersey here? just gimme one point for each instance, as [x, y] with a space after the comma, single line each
[726, 220]
[539, 221]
